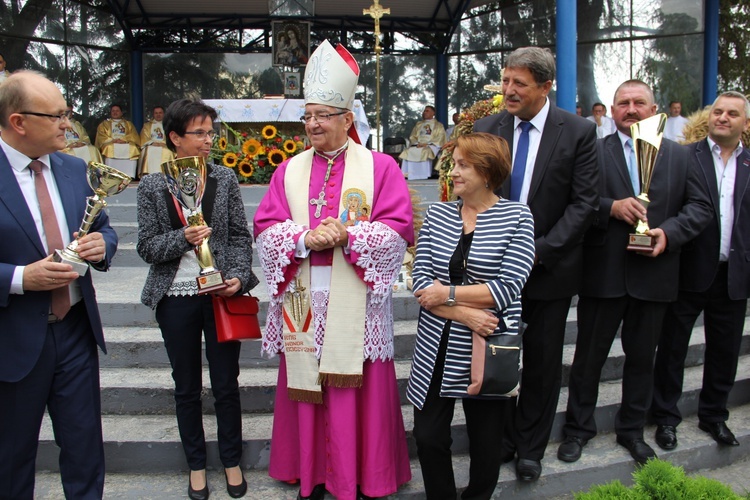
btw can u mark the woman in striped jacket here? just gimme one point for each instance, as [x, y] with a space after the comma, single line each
[473, 259]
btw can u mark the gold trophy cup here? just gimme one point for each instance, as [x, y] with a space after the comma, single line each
[186, 180]
[105, 181]
[646, 135]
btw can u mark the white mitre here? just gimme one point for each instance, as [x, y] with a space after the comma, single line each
[331, 77]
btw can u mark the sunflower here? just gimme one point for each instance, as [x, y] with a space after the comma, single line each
[290, 146]
[222, 143]
[245, 168]
[251, 147]
[276, 157]
[230, 160]
[269, 132]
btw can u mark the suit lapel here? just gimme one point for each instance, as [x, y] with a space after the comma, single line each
[614, 146]
[553, 127]
[742, 177]
[505, 130]
[706, 162]
[13, 199]
[67, 193]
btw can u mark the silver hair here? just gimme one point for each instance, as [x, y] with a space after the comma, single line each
[735, 95]
[540, 62]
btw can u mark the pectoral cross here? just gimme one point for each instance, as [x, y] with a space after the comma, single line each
[320, 203]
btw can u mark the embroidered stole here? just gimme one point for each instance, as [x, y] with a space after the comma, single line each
[343, 346]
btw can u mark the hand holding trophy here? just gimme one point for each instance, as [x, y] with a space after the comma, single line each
[105, 181]
[186, 181]
[647, 135]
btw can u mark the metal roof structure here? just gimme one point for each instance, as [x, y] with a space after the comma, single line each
[430, 23]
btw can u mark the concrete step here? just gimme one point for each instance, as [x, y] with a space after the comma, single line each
[119, 298]
[141, 435]
[136, 347]
[729, 466]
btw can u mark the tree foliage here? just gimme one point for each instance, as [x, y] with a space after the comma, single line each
[734, 39]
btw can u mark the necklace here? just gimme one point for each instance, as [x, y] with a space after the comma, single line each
[320, 202]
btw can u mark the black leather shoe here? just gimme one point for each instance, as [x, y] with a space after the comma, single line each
[528, 470]
[236, 490]
[639, 450]
[666, 437]
[720, 432]
[570, 449]
[197, 494]
[318, 493]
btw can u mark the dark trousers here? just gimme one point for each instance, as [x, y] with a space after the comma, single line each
[432, 432]
[65, 380]
[183, 321]
[598, 322]
[724, 321]
[541, 379]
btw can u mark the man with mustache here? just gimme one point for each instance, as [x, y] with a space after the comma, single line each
[632, 288]
[554, 173]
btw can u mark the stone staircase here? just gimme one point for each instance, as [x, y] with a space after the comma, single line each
[144, 454]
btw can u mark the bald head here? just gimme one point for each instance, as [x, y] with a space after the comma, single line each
[30, 109]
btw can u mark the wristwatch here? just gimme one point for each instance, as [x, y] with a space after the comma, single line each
[451, 296]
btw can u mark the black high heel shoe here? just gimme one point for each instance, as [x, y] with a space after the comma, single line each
[236, 490]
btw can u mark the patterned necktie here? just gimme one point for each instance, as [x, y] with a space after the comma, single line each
[633, 169]
[60, 296]
[519, 164]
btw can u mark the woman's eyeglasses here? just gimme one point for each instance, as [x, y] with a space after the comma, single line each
[202, 134]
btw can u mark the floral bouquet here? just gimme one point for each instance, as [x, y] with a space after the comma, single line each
[465, 126]
[254, 157]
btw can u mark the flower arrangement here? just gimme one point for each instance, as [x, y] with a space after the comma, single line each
[478, 110]
[254, 157]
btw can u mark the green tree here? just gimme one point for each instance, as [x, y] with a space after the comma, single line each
[670, 66]
[734, 38]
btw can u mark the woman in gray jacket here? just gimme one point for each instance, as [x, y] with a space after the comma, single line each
[171, 288]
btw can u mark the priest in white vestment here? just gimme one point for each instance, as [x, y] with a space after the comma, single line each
[78, 142]
[426, 139]
[118, 141]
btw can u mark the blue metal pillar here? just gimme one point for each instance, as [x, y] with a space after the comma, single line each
[136, 85]
[566, 54]
[441, 89]
[710, 51]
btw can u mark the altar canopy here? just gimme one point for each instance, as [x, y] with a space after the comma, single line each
[277, 110]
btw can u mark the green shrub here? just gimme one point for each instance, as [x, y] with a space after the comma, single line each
[660, 480]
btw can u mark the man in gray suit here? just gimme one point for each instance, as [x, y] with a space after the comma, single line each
[714, 279]
[632, 288]
[554, 173]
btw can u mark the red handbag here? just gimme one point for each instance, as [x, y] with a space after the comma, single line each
[236, 317]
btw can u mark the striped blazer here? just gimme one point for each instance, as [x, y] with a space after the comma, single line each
[501, 255]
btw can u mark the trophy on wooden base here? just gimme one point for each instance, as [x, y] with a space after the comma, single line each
[647, 135]
[186, 181]
[105, 181]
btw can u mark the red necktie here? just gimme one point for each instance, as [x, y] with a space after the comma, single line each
[60, 296]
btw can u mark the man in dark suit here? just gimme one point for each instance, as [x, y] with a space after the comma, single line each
[632, 288]
[49, 317]
[714, 279]
[554, 173]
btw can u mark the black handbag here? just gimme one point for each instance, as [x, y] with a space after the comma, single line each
[495, 365]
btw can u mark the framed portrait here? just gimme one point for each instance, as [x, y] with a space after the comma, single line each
[292, 83]
[291, 43]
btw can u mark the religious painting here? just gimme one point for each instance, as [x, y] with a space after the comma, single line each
[291, 43]
[292, 83]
